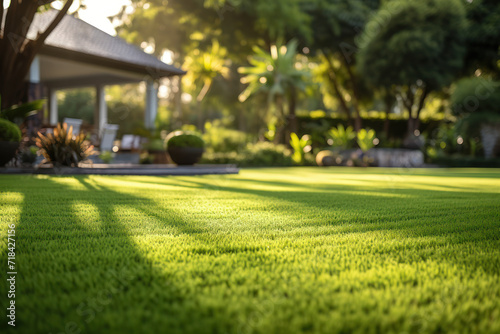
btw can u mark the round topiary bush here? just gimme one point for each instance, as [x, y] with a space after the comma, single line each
[9, 131]
[184, 139]
[185, 148]
[10, 136]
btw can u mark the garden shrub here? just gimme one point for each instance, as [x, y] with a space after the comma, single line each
[342, 137]
[268, 154]
[261, 154]
[220, 139]
[184, 139]
[397, 128]
[9, 131]
[62, 148]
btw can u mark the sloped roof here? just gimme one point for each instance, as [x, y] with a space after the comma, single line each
[77, 40]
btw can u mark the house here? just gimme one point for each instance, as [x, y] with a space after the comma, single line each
[76, 54]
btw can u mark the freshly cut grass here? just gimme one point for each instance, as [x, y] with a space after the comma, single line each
[298, 250]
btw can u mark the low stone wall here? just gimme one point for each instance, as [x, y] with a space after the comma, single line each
[394, 157]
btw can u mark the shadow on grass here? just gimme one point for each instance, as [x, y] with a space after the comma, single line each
[83, 271]
[376, 208]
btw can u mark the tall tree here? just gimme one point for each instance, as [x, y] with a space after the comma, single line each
[16, 50]
[483, 38]
[335, 25]
[413, 48]
[204, 67]
[276, 75]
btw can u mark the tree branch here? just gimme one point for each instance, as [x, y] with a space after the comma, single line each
[333, 80]
[43, 36]
[421, 103]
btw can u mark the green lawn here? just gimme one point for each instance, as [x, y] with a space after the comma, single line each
[298, 250]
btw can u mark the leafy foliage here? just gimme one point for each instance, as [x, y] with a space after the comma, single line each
[342, 137]
[260, 154]
[184, 139]
[416, 41]
[273, 73]
[204, 67]
[9, 131]
[483, 37]
[17, 112]
[276, 75]
[365, 139]
[62, 148]
[476, 95]
[300, 147]
[106, 157]
[476, 101]
[78, 103]
[221, 139]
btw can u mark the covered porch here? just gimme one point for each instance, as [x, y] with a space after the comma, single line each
[78, 55]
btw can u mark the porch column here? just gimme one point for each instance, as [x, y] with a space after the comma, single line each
[101, 110]
[151, 104]
[34, 74]
[34, 90]
[53, 112]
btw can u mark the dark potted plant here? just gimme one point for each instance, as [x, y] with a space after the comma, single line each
[185, 148]
[62, 149]
[10, 137]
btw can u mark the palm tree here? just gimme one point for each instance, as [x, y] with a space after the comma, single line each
[276, 75]
[204, 67]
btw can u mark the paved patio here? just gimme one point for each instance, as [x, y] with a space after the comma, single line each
[128, 169]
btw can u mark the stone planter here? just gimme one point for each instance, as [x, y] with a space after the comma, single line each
[185, 155]
[392, 157]
[8, 151]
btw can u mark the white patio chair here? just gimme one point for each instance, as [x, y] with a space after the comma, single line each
[130, 143]
[75, 123]
[108, 137]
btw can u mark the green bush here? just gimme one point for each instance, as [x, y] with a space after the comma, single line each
[397, 127]
[106, 157]
[220, 139]
[184, 139]
[9, 131]
[261, 154]
[300, 146]
[476, 95]
[365, 139]
[267, 154]
[478, 101]
[155, 145]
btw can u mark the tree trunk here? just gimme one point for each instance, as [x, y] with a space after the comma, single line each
[17, 52]
[336, 88]
[201, 120]
[292, 117]
[388, 109]
[279, 137]
[421, 104]
[358, 123]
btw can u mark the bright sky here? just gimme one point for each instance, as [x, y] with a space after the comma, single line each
[97, 12]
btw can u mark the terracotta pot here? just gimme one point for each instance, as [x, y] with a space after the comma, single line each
[8, 151]
[185, 155]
